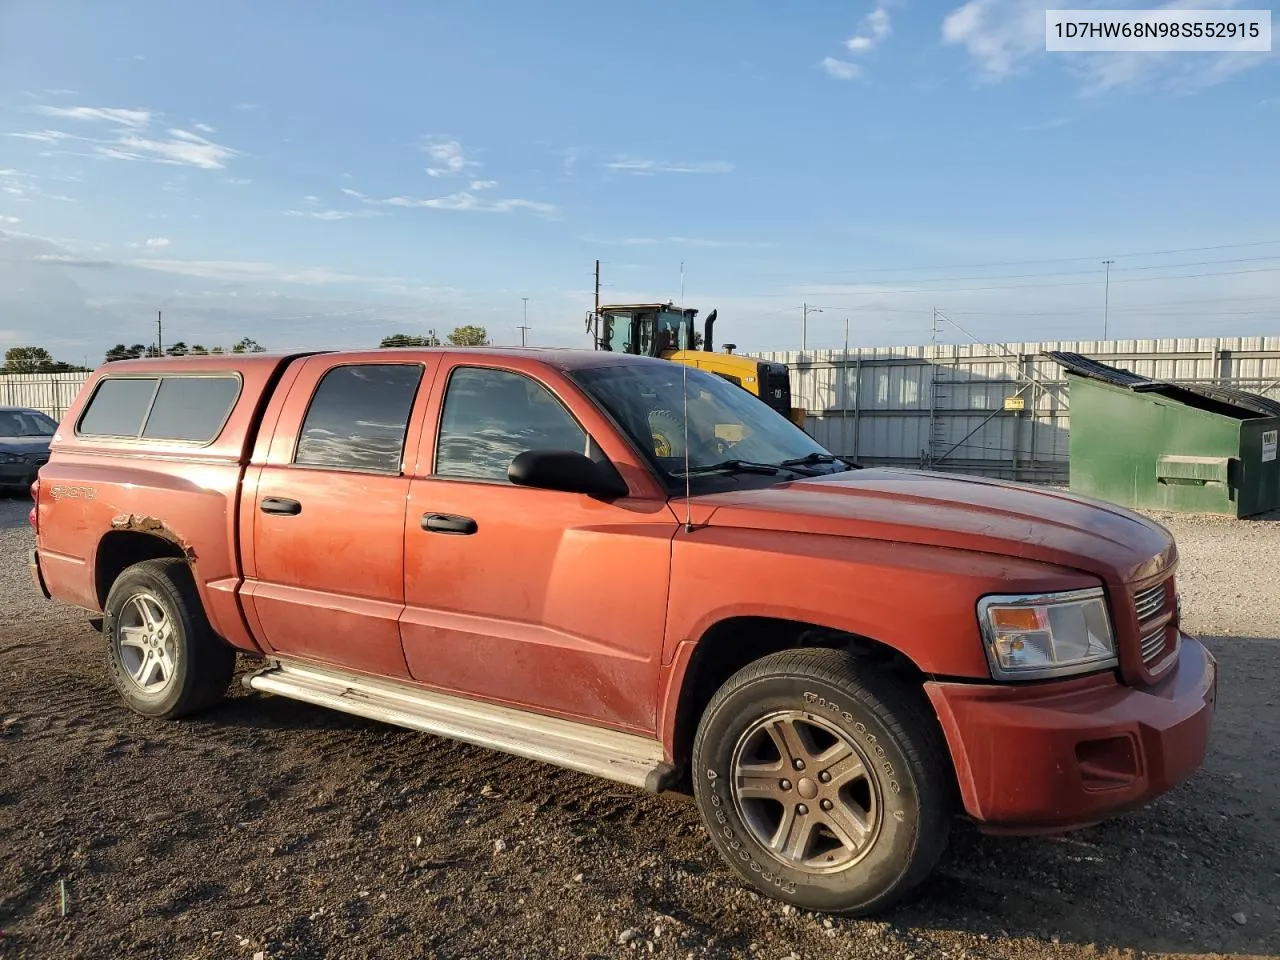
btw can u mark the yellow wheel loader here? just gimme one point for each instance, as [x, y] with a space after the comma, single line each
[667, 331]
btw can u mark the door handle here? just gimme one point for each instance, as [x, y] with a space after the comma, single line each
[448, 523]
[281, 506]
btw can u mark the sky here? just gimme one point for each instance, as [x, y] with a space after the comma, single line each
[320, 174]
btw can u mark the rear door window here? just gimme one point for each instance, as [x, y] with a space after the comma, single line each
[358, 418]
[118, 407]
[191, 408]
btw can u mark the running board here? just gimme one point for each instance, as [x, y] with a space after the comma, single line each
[622, 757]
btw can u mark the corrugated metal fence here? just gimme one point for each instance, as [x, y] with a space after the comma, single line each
[1000, 410]
[49, 393]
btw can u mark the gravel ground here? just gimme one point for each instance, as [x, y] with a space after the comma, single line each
[268, 828]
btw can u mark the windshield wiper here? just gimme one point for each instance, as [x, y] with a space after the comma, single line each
[816, 458]
[731, 466]
[809, 458]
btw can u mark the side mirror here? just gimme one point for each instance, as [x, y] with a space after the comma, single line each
[566, 471]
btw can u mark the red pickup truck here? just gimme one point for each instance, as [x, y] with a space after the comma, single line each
[635, 570]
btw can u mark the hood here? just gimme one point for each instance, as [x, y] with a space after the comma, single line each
[966, 513]
[27, 445]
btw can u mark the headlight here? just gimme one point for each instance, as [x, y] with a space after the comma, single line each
[12, 458]
[1047, 635]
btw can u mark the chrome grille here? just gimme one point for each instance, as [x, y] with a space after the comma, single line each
[1151, 605]
[1153, 645]
[1149, 602]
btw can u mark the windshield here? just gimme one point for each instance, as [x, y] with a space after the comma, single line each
[25, 423]
[725, 423]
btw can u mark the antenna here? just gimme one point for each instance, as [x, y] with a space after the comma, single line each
[688, 483]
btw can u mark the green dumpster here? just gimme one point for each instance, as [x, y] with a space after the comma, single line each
[1160, 445]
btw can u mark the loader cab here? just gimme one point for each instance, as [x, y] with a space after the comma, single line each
[647, 329]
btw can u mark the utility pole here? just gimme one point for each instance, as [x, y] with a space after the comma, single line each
[1106, 297]
[844, 394]
[597, 286]
[933, 337]
[524, 324]
[805, 310]
[159, 335]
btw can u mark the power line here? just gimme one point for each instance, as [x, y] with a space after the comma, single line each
[1023, 263]
[1040, 286]
[1090, 272]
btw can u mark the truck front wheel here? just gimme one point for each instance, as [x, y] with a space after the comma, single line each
[823, 785]
[162, 654]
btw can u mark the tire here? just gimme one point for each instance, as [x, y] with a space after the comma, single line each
[854, 843]
[163, 656]
[667, 433]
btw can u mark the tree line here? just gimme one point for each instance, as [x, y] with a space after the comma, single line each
[180, 349]
[35, 360]
[468, 336]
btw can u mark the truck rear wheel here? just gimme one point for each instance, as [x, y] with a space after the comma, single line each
[824, 786]
[163, 656]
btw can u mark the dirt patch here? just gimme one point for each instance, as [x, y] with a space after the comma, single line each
[270, 826]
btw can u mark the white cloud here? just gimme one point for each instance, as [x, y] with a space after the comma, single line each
[185, 149]
[874, 30]
[1176, 71]
[998, 34]
[238, 181]
[152, 243]
[117, 115]
[569, 162]
[26, 187]
[354, 193]
[69, 260]
[330, 214]
[841, 69]
[244, 107]
[468, 201]
[483, 184]
[9, 220]
[310, 199]
[182, 148]
[246, 271]
[449, 157]
[45, 136]
[649, 167]
[204, 128]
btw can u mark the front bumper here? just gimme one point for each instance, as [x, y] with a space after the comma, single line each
[1044, 758]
